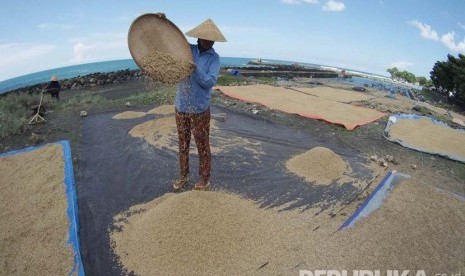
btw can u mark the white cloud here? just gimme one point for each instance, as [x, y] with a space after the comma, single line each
[401, 64]
[100, 46]
[52, 26]
[333, 5]
[449, 40]
[425, 30]
[22, 58]
[82, 53]
[461, 25]
[16, 53]
[295, 2]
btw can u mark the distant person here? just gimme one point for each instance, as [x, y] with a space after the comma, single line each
[54, 87]
[193, 103]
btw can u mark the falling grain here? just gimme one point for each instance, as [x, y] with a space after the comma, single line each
[166, 68]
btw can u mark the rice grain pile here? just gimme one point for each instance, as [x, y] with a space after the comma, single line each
[161, 133]
[34, 224]
[426, 135]
[162, 110]
[215, 233]
[202, 233]
[165, 68]
[320, 165]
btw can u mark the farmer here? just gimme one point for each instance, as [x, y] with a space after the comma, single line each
[193, 103]
[54, 87]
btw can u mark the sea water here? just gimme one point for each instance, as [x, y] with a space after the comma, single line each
[85, 69]
[110, 66]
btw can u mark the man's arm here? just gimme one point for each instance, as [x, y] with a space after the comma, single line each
[208, 79]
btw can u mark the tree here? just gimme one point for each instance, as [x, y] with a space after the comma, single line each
[404, 75]
[423, 81]
[393, 71]
[448, 77]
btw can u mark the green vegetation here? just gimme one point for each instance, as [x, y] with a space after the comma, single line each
[448, 78]
[16, 109]
[408, 76]
[160, 95]
[83, 100]
[229, 79]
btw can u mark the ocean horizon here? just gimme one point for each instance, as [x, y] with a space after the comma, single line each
[122, 64]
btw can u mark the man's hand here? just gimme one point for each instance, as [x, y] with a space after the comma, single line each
[160, 14]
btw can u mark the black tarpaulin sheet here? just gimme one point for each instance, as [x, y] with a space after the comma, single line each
[116, 171]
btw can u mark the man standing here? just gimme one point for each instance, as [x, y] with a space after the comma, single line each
[193, 104]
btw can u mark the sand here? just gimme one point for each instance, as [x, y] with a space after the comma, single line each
[129, 115]
[319, 165]
[34, 224]
[428, 136]
[166, 68]
[295, 102]
[215, 233]
[161, 133]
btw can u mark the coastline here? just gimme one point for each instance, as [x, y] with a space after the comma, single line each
[106, 67]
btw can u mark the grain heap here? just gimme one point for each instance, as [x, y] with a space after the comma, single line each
[128, 115]
[162, 134]
[34, 224]
[165, 68]
[320, 165]
[216, 233]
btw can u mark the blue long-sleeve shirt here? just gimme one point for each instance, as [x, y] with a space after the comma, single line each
[194, 93]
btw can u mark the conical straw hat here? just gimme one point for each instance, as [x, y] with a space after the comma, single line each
[208, 31]
[54, 78]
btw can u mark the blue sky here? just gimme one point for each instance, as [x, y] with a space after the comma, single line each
[365, 35]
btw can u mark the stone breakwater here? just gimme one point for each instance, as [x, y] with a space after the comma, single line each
[86, 82]
[123, 76]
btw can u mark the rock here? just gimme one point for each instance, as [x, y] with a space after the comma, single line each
[358, 88]
[83, 113]
[389, 158]
[383, 163]
[395, 162]
[35, 139]
[75, 86]
[128, 104]
[254, 111]
[413, 166]
[374, 158]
